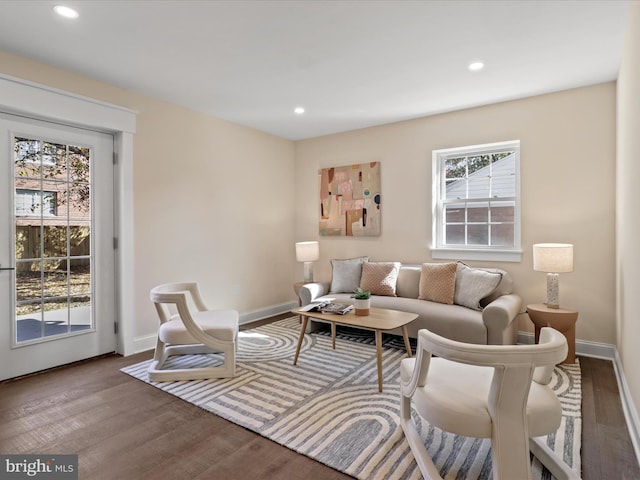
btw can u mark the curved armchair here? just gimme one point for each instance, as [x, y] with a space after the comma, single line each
[499, 392]
[191, 331]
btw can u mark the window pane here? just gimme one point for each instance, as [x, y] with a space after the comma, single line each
[478, 212]
[27, 241]
[79, 164]
[456, 189]
[79, 204]
[54, 161]
[502, 235]
[479, 187]
[28, 202]
[455, 213]
[504, 213]
[478, 234]
[80, 241]
[455, 235]
[80, 277]
[477, 163]
[55, 240]
[503, 163]
[55, 280]
[455, 167]
[28, 282]
[502, 187]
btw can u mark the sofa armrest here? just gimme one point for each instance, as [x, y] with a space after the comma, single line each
[310, 291]
[499, 318]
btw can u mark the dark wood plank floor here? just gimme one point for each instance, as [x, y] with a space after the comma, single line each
[607, 452]
[122, 428]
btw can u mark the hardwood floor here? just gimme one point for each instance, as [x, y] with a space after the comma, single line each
[607, 452]
[124, 429]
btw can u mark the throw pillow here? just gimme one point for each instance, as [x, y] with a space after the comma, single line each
[346, 274]
[380, 278]
[474, 284]
[438, 282]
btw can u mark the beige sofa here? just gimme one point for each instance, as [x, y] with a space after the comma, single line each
[492, 322]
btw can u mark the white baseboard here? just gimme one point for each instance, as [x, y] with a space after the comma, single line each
[607, 352]
[148, 342]
[142, 344]
[583, 347]
[267, 312]
[628, 407]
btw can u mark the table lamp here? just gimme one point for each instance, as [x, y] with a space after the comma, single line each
[553, 258]
[307, 252]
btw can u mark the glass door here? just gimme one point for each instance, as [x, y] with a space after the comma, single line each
[58, 299]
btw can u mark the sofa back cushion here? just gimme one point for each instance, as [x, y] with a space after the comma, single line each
[408, 284]
[438, 282]
[380, 278]
[346, 274]
[473, 285]
[505, 287]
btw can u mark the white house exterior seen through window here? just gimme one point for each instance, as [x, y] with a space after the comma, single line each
[476, 194]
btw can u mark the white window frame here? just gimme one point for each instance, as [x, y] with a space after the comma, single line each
[472, 252]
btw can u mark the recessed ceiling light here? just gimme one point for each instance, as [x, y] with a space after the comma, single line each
[476, 66]
[298, 110]
[65, 11]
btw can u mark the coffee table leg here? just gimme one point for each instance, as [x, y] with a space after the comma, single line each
[302, 330]
[407, 344]
[333, 334]
[379, 355]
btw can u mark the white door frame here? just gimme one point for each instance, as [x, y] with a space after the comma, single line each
[22, 97]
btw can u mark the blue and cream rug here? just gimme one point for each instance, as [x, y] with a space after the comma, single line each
[328, 406]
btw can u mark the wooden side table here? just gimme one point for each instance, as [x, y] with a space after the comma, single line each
[562, 319]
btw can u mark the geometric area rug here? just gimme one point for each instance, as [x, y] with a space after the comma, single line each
[328, 406]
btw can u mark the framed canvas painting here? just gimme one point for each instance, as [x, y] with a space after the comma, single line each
[350, 200]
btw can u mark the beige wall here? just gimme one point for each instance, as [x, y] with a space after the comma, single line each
[567, 184]
[627, 218]
[212, 200]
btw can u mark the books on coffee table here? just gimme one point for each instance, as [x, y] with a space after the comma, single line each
[328, 307]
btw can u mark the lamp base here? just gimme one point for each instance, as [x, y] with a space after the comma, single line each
[553, 291]
[308, 272]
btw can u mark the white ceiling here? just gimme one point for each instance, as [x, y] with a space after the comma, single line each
[350, 64]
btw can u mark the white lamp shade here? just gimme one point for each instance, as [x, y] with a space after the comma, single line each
[553, 257]
[307, 251]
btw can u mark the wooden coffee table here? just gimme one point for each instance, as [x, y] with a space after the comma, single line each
[379, 320]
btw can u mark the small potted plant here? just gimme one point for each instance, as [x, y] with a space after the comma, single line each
[362, 301]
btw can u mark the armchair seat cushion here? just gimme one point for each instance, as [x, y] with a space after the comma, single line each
[455, 399]
[221, 323]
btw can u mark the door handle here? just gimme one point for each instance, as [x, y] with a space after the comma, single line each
[7, 268]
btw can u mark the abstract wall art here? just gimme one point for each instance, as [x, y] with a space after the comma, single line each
[350, 200]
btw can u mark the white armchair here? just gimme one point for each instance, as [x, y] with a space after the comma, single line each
[499, 392]
[191, 331]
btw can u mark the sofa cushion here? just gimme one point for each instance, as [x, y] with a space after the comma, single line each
[346, 274]
[474, 284]
[438, 282]
[408, 281]
[380, 278]
[505, 287]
